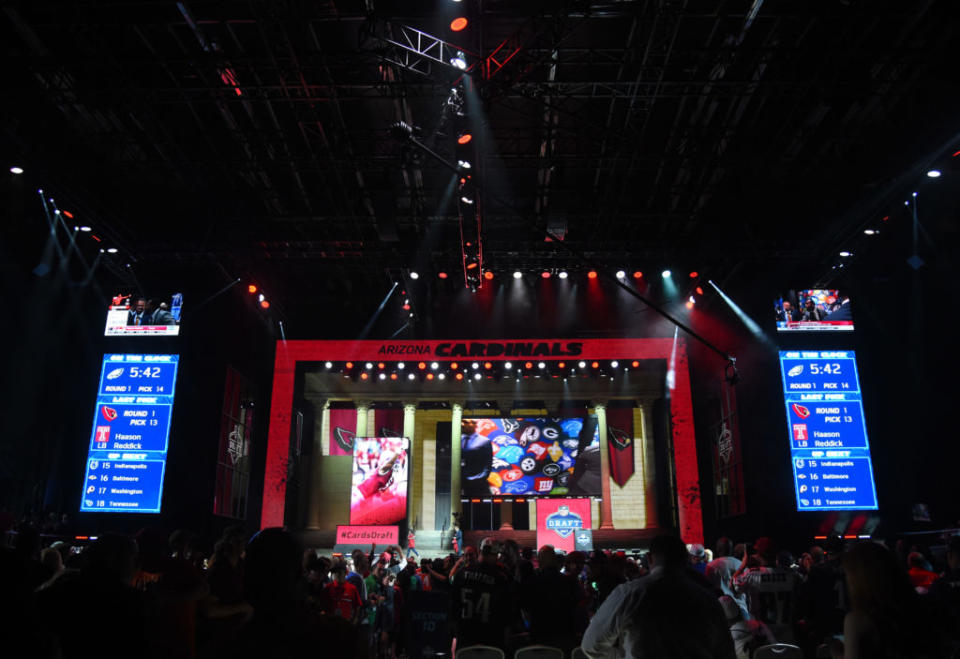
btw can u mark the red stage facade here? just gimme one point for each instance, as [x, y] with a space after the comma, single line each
[673, 351]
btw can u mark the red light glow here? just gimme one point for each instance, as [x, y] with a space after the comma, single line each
[422, 365]
[592, 274]
[699, 290]
[956, 153]
[488, 275]
[487, 365]
[635, 364]
[595, 365]
[464, 138]
[442, 275]
[349, 364]
[393, 376]
[694, 274]
[251, 289]
[562, 364]
[689, 304]
[406, 307]
[459, 376]
[528, 365]
[454, 366]
[264, 304]
[380, 365]
[545, 274]
[364, 376]
[637, 275]
[472, 265]
[458, 24]
[67, 214]
[429, 376]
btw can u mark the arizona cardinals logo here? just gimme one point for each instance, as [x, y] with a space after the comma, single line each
[620, 438]
[344, 438]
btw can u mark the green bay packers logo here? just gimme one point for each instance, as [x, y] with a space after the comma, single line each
[563, 522]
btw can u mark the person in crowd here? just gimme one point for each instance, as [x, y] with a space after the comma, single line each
[666, 614]
[920, 574]
[842, 312]
[811, 312]
[340, 597]
[698, 557]
[355, 576]
[387, 619]
[138, 314]
[52, 563]
[747, 635]
[944, 593]
[603, 575]
[457, 539]
[282, 625]
[100, 591]
[482, 603]
[787, 313]
[769, 589]
[157, 313]
[224, 574]
[822, 597]
[549, 601]
[719, 572]
[886, 618]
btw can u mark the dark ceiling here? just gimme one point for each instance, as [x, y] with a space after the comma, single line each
[255, 135]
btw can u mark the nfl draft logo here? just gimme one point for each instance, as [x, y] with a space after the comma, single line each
[563, 522]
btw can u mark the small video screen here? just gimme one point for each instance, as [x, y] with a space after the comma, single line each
[813, 310]
[139, 315]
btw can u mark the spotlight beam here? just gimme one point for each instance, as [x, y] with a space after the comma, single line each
[750, 323]
[376, 314]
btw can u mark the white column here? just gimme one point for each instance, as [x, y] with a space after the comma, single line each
[455, 423]
[606, 510]
[409, 427]
[362, 409]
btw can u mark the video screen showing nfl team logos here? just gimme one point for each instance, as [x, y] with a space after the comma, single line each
[380, 476]
[140, 315]
[813, 310]
[530, 457]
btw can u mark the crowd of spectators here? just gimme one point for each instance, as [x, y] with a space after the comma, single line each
[153, 595]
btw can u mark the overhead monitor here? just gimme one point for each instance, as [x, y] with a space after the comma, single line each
[829, 450]
[140, 315]
[813, 310]
[530, 457]
[127, 453]
[380, 477]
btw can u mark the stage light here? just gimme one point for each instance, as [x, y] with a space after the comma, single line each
[380, 365]
[694, 274]
[442, 275]
[508, 365]
[463, 164]
[441, 376]
[112, 250]
[68, 214]
[563, 274]
[475, 365]
[545, 274]
[562, 365]
[699, 290]
[614, 364]
[349, 364]
[933, 173]
[467, 200]
[261, 298]
[328, 365]
[488, 275]
[487, 365]
[528, 365]
[16, 170]
[429, 376]
[464, 138]
[871, 232]
[621, 274]
[541, 365]
[846, 254]
[454, 365]
[364, 376]
[422, 365]
[592, 274]
[688, 304]
[665, 274]
[393, 376]
[459, 376]
[56, 212]
[517, 274]
[692, 300]
[251, 289]
[434, 365]
[582, 364]
[460, 61]
[383, 376]
[458, 24]
[595, 365]
[86, 229]
[411, 376]
[635, 364]
[414, 275]
[368, 365]
[637, 274]
[476, 376]
[401, 366]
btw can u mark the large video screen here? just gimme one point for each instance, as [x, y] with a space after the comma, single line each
[139, 315]
[530, 457]
[812, 310]
[127, 453]
[380, 475]
[828, 433]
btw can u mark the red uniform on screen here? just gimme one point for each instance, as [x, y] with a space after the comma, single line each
[376, 481]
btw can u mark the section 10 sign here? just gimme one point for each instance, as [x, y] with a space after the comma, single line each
[127, 454]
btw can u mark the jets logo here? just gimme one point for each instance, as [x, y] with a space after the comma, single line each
[563, 522]
[620, 438]
[344, 438]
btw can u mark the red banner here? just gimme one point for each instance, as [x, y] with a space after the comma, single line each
[558, 521]
[368, 535]
[620, 443]
[343, 430]
[387, 422]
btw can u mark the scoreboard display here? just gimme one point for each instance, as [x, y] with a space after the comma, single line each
[828, 434]
[127, 453]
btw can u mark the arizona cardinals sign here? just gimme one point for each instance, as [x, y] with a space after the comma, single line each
[343, 430]
[620, 444]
